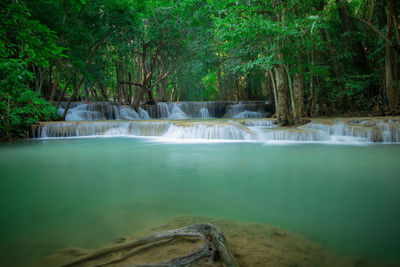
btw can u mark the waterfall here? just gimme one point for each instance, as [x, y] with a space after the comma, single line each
[96, 111]
[372, 130]
[89, 112]
[260, 123]
[245, 110]
[248, 114]
[207, 131]
[190, 110]
[170, 130]
[295, 135]
[204, 113]
[143, 114]
[115, 128]
[126, 113]
[176, 113]
[100, 111]
[260, 130]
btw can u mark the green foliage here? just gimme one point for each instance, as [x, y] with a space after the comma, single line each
[24, 44]
[210, 85]
[20, 107]
[193, 49]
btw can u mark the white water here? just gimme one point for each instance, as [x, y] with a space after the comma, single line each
[250, 130]
[80, 111]
[206, 110]
[204, 113]
[364, 130]
[191, 110]
[188, 110]
[260, 123]
[169, 130]
[84, 129]
[176, 113]
[247, 111]
[248, 114]
[102, 111]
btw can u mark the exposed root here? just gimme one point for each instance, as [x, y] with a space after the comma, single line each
[213, 249]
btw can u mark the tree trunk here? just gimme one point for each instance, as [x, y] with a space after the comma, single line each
[270, 89]
[130, 88]
[396, 62]
[150, 95]
[359, 56]
[219, 75]
[76, 90]
[162, 94]
[390, 90]
[118, 73]
[85, 92]
[334, 58]
[126, 88]
[137, 88]
[63, 92]
[290, 86]
[140, 90]
[237, 89]
[282, 107]
[298, 111]
[55, 84]
[275, 91]
[103, 90]
[313, 96]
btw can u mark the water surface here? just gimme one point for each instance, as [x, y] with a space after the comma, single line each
[87, 192]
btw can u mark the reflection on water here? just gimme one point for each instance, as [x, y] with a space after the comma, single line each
[87, 192]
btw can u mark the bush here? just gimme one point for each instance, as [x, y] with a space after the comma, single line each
[20, 107]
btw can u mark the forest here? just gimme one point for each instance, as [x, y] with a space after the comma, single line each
[310, 58]
[200, 133]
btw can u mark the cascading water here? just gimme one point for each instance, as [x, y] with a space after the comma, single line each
[176, 113]
[338, 131]
[207, 131]
[248, 114]
[80, 111]
[204, 113]
[165, 129]
[115, 128]
[88, 111]
[358, 129]
[246, 123]
[295, 135]
[248, 110]
[101, 111]
[189, 110]
[259, 123]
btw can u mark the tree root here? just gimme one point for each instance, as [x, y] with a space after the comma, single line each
[213, 250]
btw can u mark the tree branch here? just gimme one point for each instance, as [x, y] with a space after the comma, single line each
[395, 46]
[131, 83]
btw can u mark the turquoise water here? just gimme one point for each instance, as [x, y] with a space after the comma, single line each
[87, 192]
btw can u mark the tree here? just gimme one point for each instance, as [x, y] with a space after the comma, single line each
[25, 45]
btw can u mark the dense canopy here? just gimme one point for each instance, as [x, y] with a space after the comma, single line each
[312, 58]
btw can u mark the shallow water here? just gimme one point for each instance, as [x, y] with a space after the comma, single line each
[87, 192]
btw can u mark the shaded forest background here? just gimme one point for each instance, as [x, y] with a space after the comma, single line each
[309, 57]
